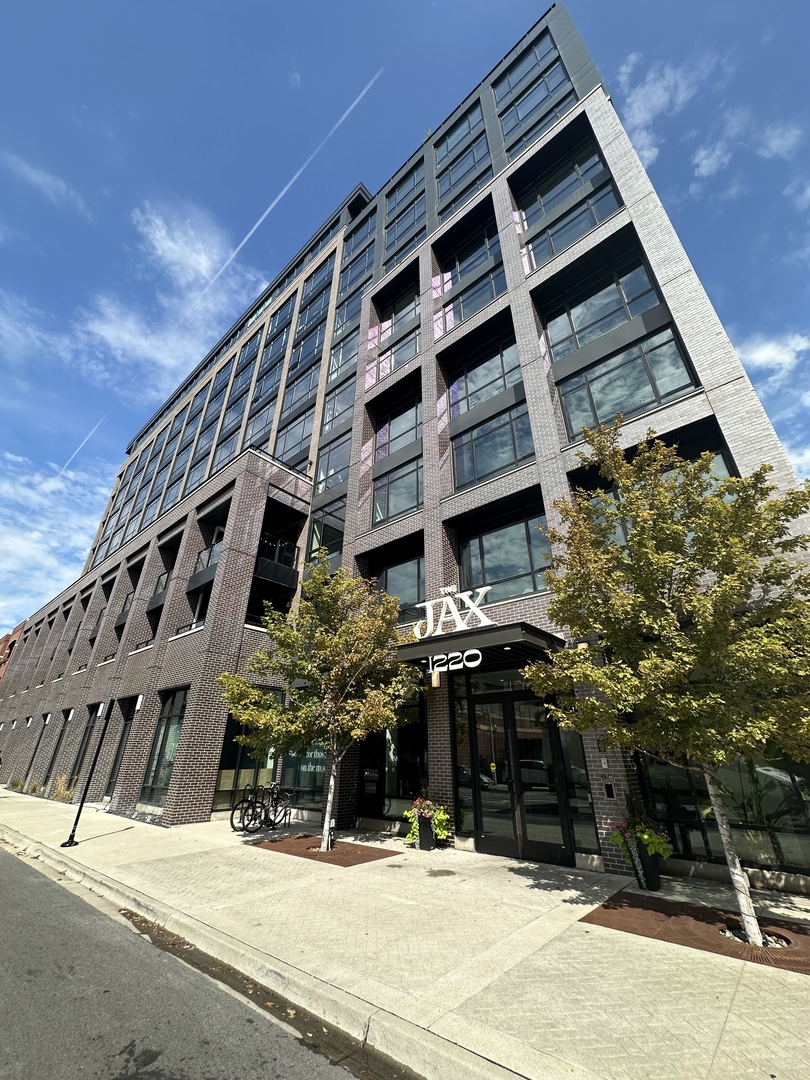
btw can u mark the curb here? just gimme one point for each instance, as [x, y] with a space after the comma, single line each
[430, 1055]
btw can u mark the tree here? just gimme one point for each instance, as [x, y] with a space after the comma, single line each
[336, 655]
[695, 615]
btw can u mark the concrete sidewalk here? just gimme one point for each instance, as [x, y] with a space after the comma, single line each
[457, 965]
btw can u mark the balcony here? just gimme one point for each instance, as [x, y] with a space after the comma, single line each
[205, 567]
[158, 597]
[122, 615]
[276, 561]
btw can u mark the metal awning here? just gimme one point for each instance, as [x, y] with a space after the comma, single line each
[513, 645]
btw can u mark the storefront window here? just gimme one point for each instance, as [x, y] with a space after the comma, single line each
[768, 804]
[240, 766]
[303, 774]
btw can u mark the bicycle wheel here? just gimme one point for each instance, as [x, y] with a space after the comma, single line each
[238, 815]
[254, 818]
[281, 811]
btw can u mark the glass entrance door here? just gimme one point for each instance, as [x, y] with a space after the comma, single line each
[518, 780]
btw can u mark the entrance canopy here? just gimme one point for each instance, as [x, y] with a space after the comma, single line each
[507, 646]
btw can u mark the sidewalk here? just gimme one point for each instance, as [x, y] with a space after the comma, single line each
[458, 965]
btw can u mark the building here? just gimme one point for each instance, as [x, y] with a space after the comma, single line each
[406, 395]
[8, 643]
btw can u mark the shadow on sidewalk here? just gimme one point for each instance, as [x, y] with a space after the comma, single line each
[551, 879]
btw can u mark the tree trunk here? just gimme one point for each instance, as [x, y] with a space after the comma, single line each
[738, 877]
[326, 835]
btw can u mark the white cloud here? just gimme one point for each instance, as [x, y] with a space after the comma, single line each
[52, 187]
[141, 349]
[778, 140]
[777, 357]
[662, 91]
[799, 193]
[799, 458]
[47, 523]
[295, 79]
[711, 159]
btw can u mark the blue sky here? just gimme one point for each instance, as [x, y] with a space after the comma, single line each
[142, 141]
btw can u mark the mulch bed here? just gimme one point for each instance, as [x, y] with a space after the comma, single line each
[343, 853]
[699, 928]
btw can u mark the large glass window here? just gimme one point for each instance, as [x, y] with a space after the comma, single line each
[349, 310]
[319, 279]
[398, 492]
[338, 406]
[258, 427]
[164, 748]
[512, 560]
[598, 307]
[470, 301]
[493, 447]
[470, 122]
[400, 353]
[405, 188]
[344, 355]
[359, 266]
[314, 311]
[355, 239]
[573, 225]
[328, 528]
[525, 66]
[304, 775]
[469, 256]
[401, 311]
[533, 101]
[550, 189]
[294, 439]
[404, 222]
[639, 378]
[333, 463]
[459, 173]
[484, 375]
[300, 389]
[398, 429]
[406, 581]
[308, 349]
[767, 801]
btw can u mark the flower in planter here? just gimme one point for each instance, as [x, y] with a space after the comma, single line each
[638, 833]
[425, 809]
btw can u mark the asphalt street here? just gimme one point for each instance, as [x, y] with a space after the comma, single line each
[83, 996]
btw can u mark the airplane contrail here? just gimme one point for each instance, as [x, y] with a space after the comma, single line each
[290, 183]
[83, 443]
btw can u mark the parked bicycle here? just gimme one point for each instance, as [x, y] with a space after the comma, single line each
[262, 808]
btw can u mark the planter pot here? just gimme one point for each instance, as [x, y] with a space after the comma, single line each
[427, 841]
[651, 869]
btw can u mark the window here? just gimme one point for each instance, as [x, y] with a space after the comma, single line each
[258, 426]
[406, 581]
[405, 250]
[127, 713]
[468, 257]
[349, 310]
[512, 560]
[344, 355]
[338, 406]
[523, 67]
[549, 190]
[573, 225]
[358, 236]
[304, 774]
[398, 492]
[465, 194]
[493, 447]
[405, 188]
[457, 175]
[534, 100]
[410, 217]
[234, 413]
[267, 383]
[639, 378]
[605, 303]
[93, 715]
[293, 440]
[469, 123]
[353, 271]
[222, 376]
[225, 451]
[274, 349]
[333, 463]
[250, 349]
[282, 316]
[400, 353]
[405, 308]
[314, 311]
[164, 749]
[300, 389]
[470, 301]
[328, 528]
[319, 279]
[308, 349]
[400, 428]
[484, 376]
